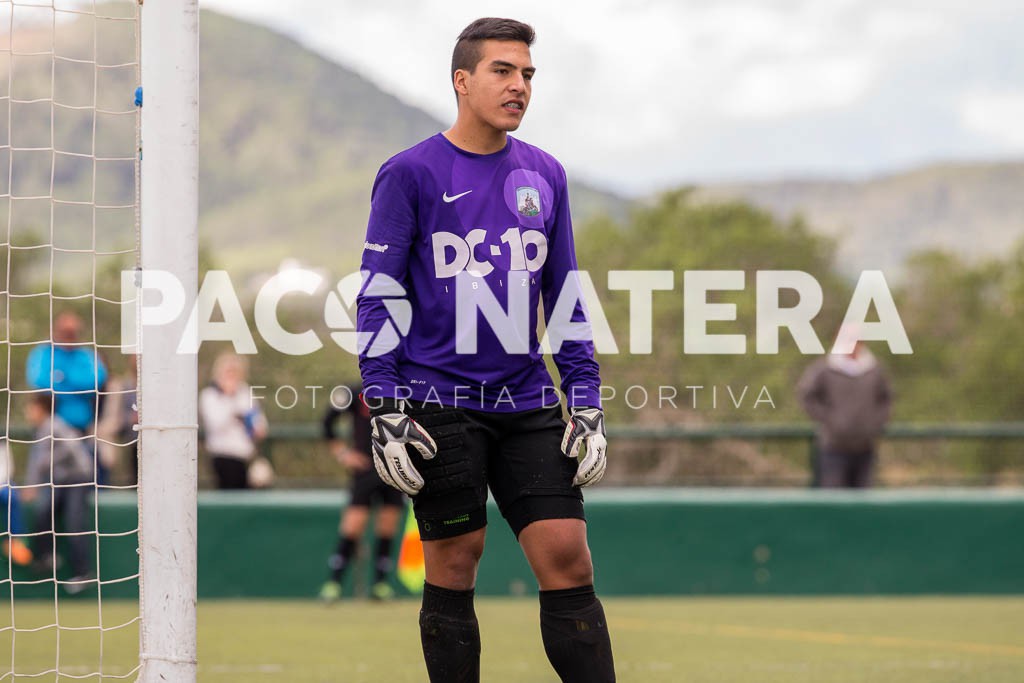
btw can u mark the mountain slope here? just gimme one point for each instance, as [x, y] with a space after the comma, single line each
[290, 143]
[976, 210]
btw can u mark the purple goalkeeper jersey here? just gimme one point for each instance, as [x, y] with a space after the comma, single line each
[476, 242]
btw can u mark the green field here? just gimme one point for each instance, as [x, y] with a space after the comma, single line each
[657, 640]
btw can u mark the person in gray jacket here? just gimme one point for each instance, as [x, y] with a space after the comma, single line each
[850, 398]
[59, 456]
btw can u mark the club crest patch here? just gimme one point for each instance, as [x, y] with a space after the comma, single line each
[528, 201]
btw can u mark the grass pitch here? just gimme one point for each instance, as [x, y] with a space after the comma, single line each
[656, 640]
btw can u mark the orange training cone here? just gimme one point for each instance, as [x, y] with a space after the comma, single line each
[411, 569]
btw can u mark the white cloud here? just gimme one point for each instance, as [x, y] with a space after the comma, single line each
[998, 116]
[637, 94]
[796, 86]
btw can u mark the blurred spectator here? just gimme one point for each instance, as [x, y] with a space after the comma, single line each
[14, 548]
[365, 490]
[118, 416]
[233, 423]
[850, 398]
[60, 472]
[77, 372]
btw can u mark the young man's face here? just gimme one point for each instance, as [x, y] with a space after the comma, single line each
[498, 90]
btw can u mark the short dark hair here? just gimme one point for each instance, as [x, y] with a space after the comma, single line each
[42, 399]
[467, 48]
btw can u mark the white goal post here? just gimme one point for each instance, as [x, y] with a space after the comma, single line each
[92, 186]
[167, 379]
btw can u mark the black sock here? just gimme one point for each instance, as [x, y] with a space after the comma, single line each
[450, 635]
[575, 635]
[382, 566]
[341, 558]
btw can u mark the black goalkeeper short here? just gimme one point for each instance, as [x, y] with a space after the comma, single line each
[517, 455]
[367, 488]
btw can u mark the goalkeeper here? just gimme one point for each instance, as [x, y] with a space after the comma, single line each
[468, 221]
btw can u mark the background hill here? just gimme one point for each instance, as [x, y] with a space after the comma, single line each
[975, 210]
[290, 144]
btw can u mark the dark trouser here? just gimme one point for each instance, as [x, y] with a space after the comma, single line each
[71, 507]
[518, 456]
[846, 470]
[232, 473]
[9, 501]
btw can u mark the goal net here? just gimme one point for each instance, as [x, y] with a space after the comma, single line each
[73, 466]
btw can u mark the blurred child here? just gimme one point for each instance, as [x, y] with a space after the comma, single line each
[62, 478]
[11, 509]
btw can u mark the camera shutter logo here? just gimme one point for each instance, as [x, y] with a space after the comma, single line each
[340, 310]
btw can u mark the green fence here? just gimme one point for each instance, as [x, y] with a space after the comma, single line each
[950, 454]
[644, 542]
[983, 431]
[957, 454]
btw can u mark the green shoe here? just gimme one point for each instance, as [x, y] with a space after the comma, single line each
[330, 591]
[382, 590]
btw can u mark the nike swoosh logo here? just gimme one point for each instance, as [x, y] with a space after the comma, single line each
[449, 200]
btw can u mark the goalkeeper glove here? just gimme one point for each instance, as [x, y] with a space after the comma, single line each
[586, 426]
[390, 431]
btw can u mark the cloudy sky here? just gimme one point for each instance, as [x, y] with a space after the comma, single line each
[650, 93]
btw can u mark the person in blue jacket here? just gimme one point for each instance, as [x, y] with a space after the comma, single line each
[71, 369]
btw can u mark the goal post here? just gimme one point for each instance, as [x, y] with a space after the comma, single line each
[93, 187]
[168, 379]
